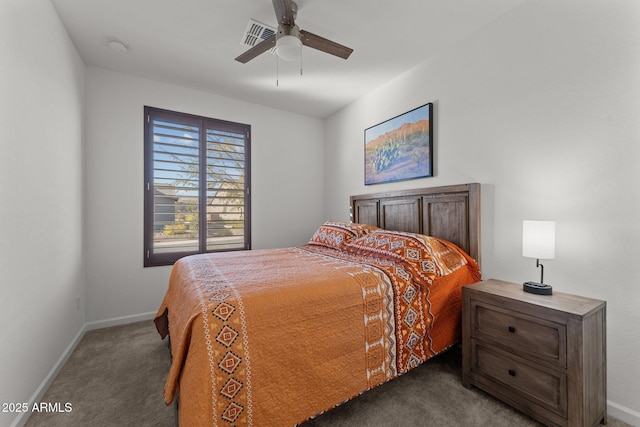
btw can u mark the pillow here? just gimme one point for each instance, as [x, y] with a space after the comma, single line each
[335, 234]
[428, 256]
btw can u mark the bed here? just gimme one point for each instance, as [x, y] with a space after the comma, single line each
[279, 336]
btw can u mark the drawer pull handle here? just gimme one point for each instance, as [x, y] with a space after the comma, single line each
[512, 329]
[512, 372]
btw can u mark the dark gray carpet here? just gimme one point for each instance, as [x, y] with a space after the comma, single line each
[116, 375]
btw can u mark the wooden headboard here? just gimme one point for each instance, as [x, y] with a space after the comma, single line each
[451, 212]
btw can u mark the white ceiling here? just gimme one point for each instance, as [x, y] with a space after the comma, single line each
[193, 43]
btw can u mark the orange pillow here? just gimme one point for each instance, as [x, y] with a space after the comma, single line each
[429, 256]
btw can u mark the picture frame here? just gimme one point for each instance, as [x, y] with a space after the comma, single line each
[400, 148]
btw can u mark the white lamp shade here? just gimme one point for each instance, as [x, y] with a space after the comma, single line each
[288, 47]
[539, 239]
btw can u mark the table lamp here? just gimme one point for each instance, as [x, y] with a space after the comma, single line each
[539, 242]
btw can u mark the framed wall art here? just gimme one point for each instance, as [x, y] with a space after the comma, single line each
[400, 148]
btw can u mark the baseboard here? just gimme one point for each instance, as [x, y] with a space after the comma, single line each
[623, 413]
[116, 321]
[22, 418]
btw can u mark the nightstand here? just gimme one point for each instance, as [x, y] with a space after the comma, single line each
[542, 354]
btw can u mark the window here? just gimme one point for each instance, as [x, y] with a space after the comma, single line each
[196, 186]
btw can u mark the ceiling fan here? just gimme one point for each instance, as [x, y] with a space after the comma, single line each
[290, 38]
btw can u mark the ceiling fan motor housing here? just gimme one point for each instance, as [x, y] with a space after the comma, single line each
[288, 30]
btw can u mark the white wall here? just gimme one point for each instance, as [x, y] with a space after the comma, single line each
[286, 173]
[542, 108]
[41, 221]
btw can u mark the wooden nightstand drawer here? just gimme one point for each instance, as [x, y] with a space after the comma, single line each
[546, 388]
[522, 333]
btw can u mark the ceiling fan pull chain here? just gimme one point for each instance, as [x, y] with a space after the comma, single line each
[277, 71]
[300, 59]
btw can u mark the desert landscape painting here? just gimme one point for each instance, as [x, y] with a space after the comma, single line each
[400, 148]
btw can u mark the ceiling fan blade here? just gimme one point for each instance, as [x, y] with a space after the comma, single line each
[284, 12]
[261, 47]
[325, 45]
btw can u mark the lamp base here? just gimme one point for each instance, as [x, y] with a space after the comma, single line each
[537, 288]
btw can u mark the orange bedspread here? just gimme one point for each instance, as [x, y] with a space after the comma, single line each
[274, 337]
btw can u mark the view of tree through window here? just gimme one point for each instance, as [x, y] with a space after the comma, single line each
[196, 186]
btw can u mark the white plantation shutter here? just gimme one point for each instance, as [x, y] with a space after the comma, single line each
[196, 186]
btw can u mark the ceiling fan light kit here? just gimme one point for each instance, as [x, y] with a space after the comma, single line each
[288, 44]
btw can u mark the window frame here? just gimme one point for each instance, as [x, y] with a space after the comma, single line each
[152, 259]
